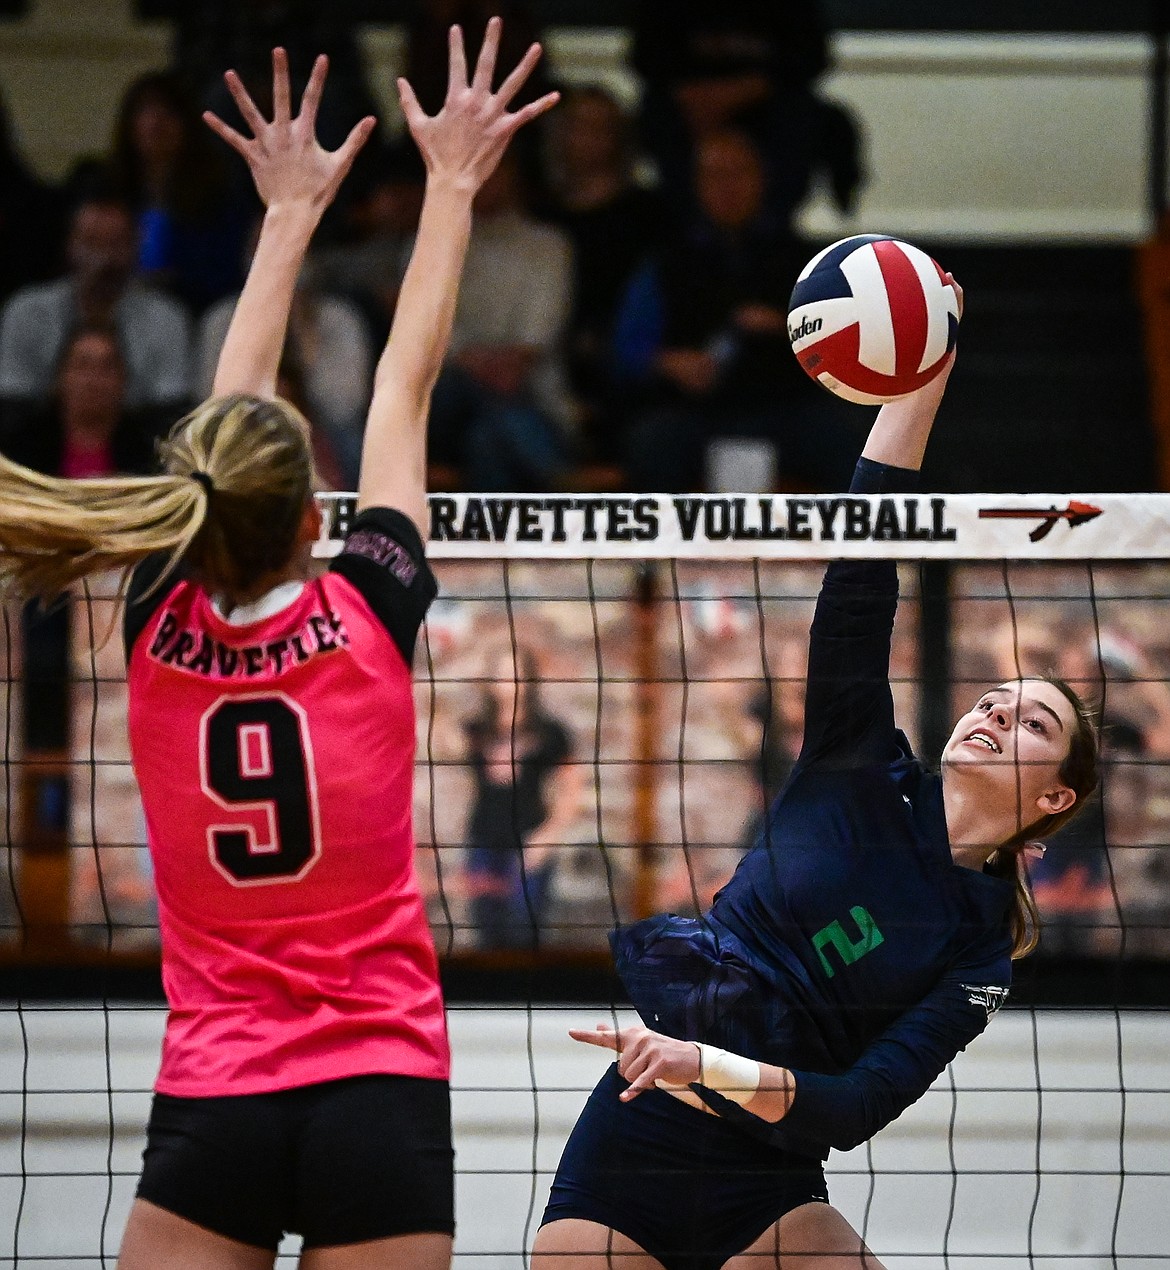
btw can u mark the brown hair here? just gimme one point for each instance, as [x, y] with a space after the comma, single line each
[238, 476]
[1080, 772]
[623, 129]
[199, 179]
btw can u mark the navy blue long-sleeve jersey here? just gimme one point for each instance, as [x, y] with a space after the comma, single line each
[848, 947]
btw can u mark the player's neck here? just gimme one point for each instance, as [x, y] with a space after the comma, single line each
[973, 829]
[295, 571]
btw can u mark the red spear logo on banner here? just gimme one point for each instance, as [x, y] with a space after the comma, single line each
[1075, 513]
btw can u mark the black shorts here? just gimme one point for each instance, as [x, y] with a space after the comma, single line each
[688, 1188]
[338, 1163]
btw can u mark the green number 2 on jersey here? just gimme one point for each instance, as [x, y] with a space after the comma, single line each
[849, 950]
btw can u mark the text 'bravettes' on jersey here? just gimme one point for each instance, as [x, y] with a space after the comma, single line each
[275, 761]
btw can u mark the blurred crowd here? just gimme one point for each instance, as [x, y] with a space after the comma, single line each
[1103, 883]
[621, 324]
[623, 307]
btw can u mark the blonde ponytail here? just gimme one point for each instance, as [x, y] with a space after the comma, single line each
[239, 474]
[53, 531]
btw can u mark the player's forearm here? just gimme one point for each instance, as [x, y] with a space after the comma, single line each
[902, 428]
[774, 1096]
[425, 314]
[761, 1088]
[251, 354]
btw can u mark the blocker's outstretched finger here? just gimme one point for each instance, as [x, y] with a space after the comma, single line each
[281, 91]
[526, 114]
[412, 112]
[311, 97]
[239, 143]
[359, 134]
[485, 64]
[953, 283]
[457, 62]
[515, 81]
[244, 103]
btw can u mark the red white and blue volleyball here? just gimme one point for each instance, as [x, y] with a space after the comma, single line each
[872, 318]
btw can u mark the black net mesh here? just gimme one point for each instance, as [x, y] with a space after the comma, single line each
[598, 739]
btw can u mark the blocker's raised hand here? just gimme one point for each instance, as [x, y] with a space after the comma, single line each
[288, 163]
[464, 141]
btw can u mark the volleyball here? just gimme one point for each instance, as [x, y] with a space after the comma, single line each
[872, 318]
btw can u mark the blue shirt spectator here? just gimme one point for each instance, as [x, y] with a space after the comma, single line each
[193, 215]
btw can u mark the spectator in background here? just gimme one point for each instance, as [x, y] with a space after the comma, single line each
[527, 792]
[1136, 687]
[99, 290]
[82, 430]
[1139, 869]
[500, 412]
[85, 428]
[211, 35]
[612, 224]
[290, 387]
[701, 346]
[31, 218]
[1073, 891]
[1103, 886]
[193, 218]
[328, 357]
[750, 65]
[367, 265]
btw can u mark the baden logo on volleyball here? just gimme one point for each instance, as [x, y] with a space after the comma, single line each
[872, 318]
[806, 327]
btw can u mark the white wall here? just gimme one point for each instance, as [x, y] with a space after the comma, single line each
[1030, 1170]
[998, 137]
[970, 136]
[975, 137]
[62, 72]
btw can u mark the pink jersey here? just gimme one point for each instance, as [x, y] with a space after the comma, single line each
[276, 762]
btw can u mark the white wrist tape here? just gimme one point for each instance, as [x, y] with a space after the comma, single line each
[735, 1077]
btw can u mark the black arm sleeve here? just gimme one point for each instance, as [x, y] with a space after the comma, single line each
[893, 1072]
[849, 712]
[141, 607]
[900, 1065]
[385, 560]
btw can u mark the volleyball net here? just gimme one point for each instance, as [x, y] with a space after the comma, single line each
[609, 691]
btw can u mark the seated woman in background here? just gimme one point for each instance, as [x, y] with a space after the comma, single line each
[193, 215]
[85, 430]
[613, 223]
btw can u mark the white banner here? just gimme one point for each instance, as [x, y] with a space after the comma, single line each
[783, 526]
